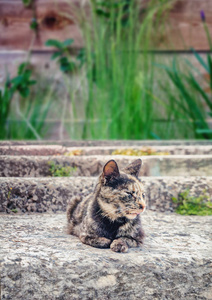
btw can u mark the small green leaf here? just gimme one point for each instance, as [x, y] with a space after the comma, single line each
[68, 42]
[200, 131]
[174, 199]
[201, 60]
[24, 92]
[22, 67]
[31, 82]
[101, 13]
[56, 55]
[17, 80]
[34, 24]
[54, 43]
[27, 2]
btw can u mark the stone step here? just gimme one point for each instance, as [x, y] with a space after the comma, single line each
[52, 194]
[39, 166]
[40, 261]
[46, 150]
[99, 143]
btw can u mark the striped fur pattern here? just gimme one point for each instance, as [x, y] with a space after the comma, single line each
[110, 217]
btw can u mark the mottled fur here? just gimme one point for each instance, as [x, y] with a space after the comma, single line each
[110, 217]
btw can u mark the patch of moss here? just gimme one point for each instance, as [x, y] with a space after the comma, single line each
[61, 171]
[141, 152]
[190, 205]
[75, 152]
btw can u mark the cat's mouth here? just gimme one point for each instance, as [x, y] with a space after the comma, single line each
[133, 214]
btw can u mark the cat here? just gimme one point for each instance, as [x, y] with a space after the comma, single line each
[110, 217]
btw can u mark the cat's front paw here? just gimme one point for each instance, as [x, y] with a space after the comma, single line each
[99, 242]
[119, 246]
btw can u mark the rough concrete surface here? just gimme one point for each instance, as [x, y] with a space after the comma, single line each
[92, 143]
[40, 261]
[45, 150]
[34, 150]
[39, 166]
[52, 194]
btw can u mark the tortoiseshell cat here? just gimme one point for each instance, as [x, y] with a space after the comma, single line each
[110, 217]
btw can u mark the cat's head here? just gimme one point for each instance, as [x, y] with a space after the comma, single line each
[121, 193]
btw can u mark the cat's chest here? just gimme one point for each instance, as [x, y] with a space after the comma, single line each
[108, 228]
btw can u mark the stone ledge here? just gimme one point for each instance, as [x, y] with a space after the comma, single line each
[168, 165]
[39, 261]
[46, 150]
[93, 143]
[52, 194]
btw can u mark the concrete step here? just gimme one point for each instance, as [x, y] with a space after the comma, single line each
[46, 150]
[39, 166]
[52, 194]
[40, 261]
[99, 143]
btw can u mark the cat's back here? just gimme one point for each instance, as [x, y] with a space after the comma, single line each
[77, 210]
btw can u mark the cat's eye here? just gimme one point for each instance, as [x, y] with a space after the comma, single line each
[143, 195]
[129, 193]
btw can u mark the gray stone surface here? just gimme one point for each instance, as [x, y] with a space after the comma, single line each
[34, 150]
[77, 143]
[173, 150]
[38, 166]
[40, 261]
[52, 194]
[45, 150]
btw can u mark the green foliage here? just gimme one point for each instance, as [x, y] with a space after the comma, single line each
[62, 55]
[60, 171]
[22, 82]
[191, 98]
[5, 99]
[28, 119]
[109, 9]
[190, 205]
[188, 95]
[34, 24]
[119, 79]
[19, 84]
[27, 3]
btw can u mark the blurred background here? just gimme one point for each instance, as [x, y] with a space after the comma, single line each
[115, 69]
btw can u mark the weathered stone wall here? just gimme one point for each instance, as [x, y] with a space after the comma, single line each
[167, 165]
[108, 149]
[52, 194]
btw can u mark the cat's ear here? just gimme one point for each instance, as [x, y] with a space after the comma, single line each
[111, 170]
[134, 167]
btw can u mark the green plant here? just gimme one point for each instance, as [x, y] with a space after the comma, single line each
[62, 55]
[5, 100]
[20, 84]
[118, 71]
[191, 205]
[119, 76]
[27, 3]
[190, 97]
[34, 22]
[9, 194]
[27, 119]
[58, 170]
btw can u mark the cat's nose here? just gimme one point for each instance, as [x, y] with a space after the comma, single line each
[141, 206]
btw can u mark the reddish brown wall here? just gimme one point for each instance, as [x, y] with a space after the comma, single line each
[184, 28]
